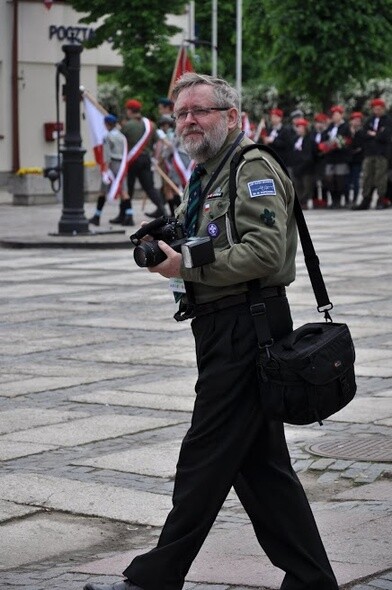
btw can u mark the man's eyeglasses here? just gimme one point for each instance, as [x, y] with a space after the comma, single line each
[197, 113]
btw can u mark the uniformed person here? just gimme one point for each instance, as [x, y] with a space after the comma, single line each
[141, 136]
[113, 152]
[230, 443]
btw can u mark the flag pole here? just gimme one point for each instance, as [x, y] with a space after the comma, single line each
[214, 68]
[239, 50]
[91, 98]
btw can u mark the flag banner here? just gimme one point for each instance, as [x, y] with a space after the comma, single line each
[183, 64]
[95, 114]
[246, 127]
[117, 181]
[183, 172]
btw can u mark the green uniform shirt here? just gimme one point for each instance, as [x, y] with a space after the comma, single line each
[133, 131]
[265, 223]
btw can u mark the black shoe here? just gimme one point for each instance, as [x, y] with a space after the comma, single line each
[95, 220]
[128, 220]
[123, 585]
[361, 207]
[383, 204]
[117, 220]
[155, 214]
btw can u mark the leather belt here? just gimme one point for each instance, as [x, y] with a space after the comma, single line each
[231, 300]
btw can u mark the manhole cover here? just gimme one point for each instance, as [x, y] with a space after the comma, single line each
[365, 448]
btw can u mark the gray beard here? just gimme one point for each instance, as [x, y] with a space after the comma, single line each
[209, 146]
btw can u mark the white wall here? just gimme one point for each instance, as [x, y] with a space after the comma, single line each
[42, 33]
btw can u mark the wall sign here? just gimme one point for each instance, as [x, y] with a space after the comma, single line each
[73, 34]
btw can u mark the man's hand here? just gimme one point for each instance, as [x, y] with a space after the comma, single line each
[170, 267]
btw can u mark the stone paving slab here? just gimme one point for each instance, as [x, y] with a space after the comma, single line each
[88, 499]
[51, 342]
[37, 383]
[10, 510]
[19, 418]
[132, 322]
[232, 556]
[383, 372]
[14, 450]
[157, 460]
[36, 290]
[87, 430]
[379, 491]
[47, 537]
[364, 410]
[141, 354]
[138, 400]
[184, 385]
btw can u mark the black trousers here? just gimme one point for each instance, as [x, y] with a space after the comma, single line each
[141, 170]
[230, 443]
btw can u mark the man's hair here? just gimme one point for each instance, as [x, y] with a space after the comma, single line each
[225, 95]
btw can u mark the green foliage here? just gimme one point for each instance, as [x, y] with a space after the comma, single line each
[295, 52]
[316, 48]
[139, 31]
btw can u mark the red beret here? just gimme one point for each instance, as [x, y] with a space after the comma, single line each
[303, 122]
[377, 102]
[337, 109]
[321, 118]
[356, 115]
[133, 104]
[277, 112]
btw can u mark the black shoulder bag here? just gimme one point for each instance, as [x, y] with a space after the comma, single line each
[308, 375]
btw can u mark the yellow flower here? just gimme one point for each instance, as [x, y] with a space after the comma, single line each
[32, 170]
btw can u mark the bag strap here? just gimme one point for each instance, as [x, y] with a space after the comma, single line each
[312, 262]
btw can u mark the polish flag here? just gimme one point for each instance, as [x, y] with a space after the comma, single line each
[95, 114]
[183, 64]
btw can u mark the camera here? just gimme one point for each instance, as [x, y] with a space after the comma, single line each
[195, 251]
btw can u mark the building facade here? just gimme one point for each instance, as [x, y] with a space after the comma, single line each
[32, 34]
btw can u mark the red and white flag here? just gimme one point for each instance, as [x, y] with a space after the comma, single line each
[95, 114]
[183, 64]
[183, 172]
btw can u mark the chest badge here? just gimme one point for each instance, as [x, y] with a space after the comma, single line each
[213, 230]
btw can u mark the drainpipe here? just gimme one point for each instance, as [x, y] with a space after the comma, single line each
[14, 90]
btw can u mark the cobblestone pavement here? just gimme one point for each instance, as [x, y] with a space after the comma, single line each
[96, 387]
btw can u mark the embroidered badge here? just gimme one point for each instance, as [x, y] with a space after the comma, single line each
[216, 194]
[268, 217]
[213, 230]
[206, 207]
[262, 188]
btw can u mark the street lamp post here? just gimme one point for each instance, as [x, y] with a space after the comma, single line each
[72, 220]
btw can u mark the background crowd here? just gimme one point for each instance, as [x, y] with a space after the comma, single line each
[335, 159]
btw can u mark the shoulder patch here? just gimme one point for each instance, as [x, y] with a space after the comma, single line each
[268, 217]
[262, 188]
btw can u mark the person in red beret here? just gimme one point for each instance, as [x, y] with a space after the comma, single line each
[303, 162]
[376, 152]
[141, 136]
[320, 196]
[334, 147]
[355, 157]
[278, 136]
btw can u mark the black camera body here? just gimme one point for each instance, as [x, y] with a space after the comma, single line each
[196, 251]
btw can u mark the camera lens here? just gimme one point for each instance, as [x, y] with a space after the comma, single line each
[148, 254]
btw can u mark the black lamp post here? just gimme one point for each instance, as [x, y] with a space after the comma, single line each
[72, 220]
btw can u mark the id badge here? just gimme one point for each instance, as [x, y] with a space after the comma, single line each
[177, 285]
